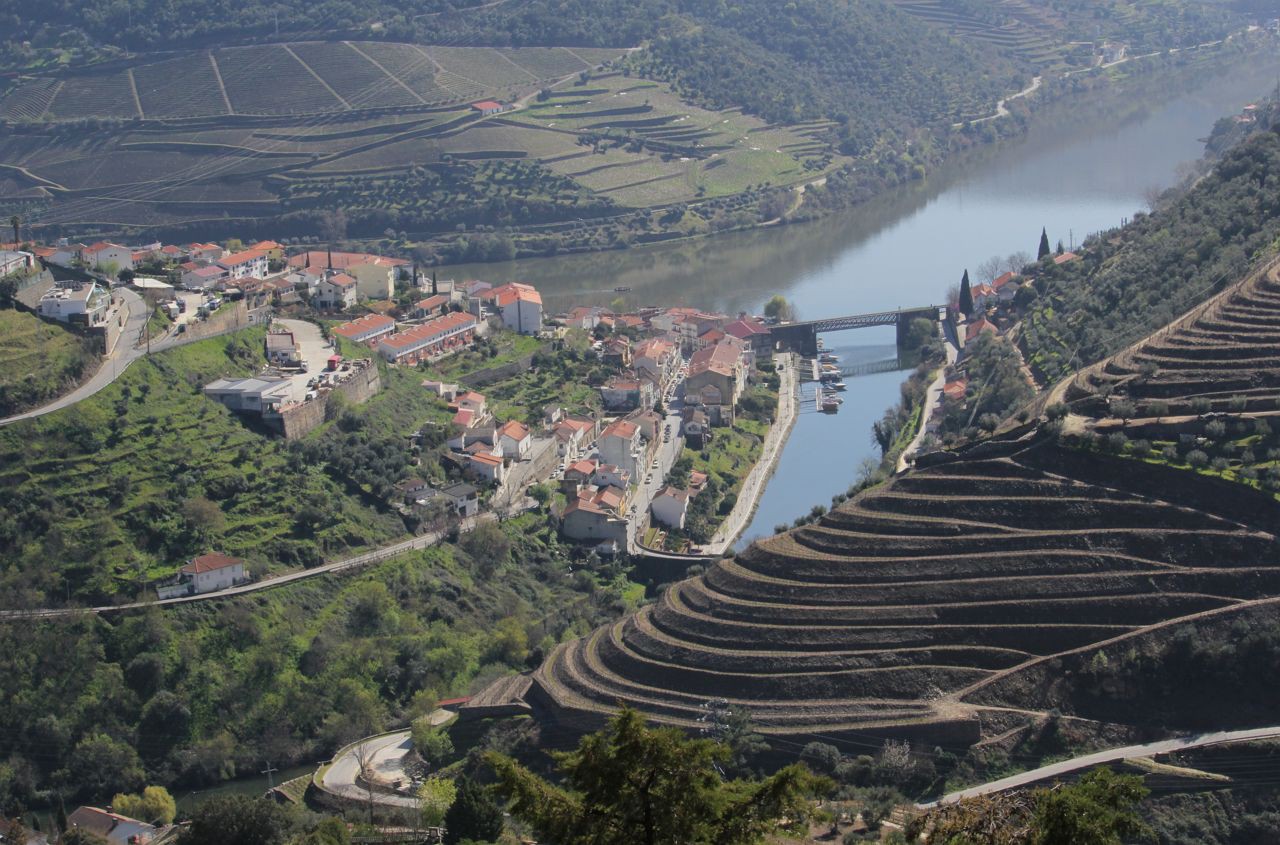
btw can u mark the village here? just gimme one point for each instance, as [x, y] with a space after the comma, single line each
[619, 466]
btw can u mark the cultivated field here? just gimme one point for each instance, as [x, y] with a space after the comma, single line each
[296, 78]
[886, 615]
[1223, 356]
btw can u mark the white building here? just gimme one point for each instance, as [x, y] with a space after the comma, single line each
[515, 440]
[670, 507]
[85, 304]
[335, 292]
[15, 261]
[103, 254]
[204, 574]
[203, 278]
[251, 262]
[619, 444]
[519, 306]
[249, 395]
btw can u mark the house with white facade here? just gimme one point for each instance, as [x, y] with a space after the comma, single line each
[203, 278]
[204, 574]
[103, 255]
[84, 304]
[620, 445]
[670, 506]
[515, 440]
[113, 827]
[250, 262]
[16, 261]
[335, 292]
[519, 306]
[369, 328]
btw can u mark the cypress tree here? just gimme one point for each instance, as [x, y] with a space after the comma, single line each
[966, 295]
[1044, 244]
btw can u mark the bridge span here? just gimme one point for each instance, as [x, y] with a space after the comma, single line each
[802, 337]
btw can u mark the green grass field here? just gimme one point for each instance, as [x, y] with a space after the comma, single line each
[38, 361]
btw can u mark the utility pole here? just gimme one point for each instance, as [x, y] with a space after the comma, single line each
[270, 771]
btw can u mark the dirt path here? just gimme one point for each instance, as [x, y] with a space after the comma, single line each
[932, 399]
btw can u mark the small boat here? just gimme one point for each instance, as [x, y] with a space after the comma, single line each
[828, 358]
[829, 407]
[836, 385]
[622, 289]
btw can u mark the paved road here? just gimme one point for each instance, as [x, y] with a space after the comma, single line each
[353, 562]
[931, 399]
[754, 484]
[387, 760]
[1065, 767]
[112, 366]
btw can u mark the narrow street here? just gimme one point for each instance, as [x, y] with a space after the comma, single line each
[754, 484]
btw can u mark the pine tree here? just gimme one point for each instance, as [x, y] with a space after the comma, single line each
[1044, 244]
[966, 295]
[473, 815]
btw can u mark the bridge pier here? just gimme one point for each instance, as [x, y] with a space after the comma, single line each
[801, 338]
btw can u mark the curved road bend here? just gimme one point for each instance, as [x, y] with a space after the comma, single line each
[1086, 761]
[353, 562]
[386, 755]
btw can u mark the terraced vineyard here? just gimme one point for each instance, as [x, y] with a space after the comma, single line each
[1223, 356]
[314, 77]
[889, 613]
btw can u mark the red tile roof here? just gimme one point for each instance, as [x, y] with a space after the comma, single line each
[513, 429]
[486, 105]
[432, 328]
[363, 326]
[621, 428]
[210, 562]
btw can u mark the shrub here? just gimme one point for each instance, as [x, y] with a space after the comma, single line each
[1169, 454]
[1159, 408]
[1201, 405]
[1220, 464]
[1197, 458]
[1237, 403]
[1215, 429]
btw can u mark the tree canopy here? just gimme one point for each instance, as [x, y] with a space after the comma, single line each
[633, 784]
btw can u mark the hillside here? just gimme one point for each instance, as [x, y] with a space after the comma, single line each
[38, 361]
[104, 498]
[886, 613]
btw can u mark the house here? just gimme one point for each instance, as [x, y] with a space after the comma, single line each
[432, 306]
[472, 401]
[515, 440]
[649, 423]
[977, 327]
[113, 827]
[272, 250]
[104, 255]
[83, 304]
[171, 254]
[205, 252]
[375, 275]
[616, 352]
[627, 394]
[697, 428]
[281, 349]
[203, 278]
[984, 296]
[519, 305]
[590, 519]
[708, 338]
[434, 337]
[487, 107]
[205, 574]
[578, 474]
[608, 475]
[369, 328]
[250, 395]
[956, 389]
[250, 262]
[1006, 286]
[619, 445]
[445, 391]
[585, 317]
[464, 498]
[335, 292]
[754, 333]
[670, 506]
[487, 467]
[1065, 258]
[473, 288]
[659, 359]
[716, 379]
[16, 261]
[66, 254]
[413, 490]
[572, 436]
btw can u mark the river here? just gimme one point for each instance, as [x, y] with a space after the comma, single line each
[1084, 167]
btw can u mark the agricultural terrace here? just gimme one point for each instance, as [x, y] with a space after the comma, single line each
[312, 77]
[646, 146]
[109, 496]
[38, 360]
[889, 614]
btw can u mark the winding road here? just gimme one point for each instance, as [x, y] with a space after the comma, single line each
[1066, 767]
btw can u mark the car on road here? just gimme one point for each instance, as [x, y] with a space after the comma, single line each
[648, 479]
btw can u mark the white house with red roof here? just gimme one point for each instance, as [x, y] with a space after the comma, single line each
[670, 506]
[572, 435]
[375, 275]
[104, 253]
[752, 332]
[620, 445]
[205, 251]
[515, 440]
[659, 359]
[369, 328]
[487, 107]
[203, 278]
[113, 827]
[487, 467]
[1006, 286]
[335, 292]
[519, 305]
[250, 262]
[205, 574]
[978, 327]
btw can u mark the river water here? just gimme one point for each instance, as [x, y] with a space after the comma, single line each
[1085, 167]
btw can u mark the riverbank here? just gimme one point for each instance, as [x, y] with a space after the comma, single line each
[753, 485]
